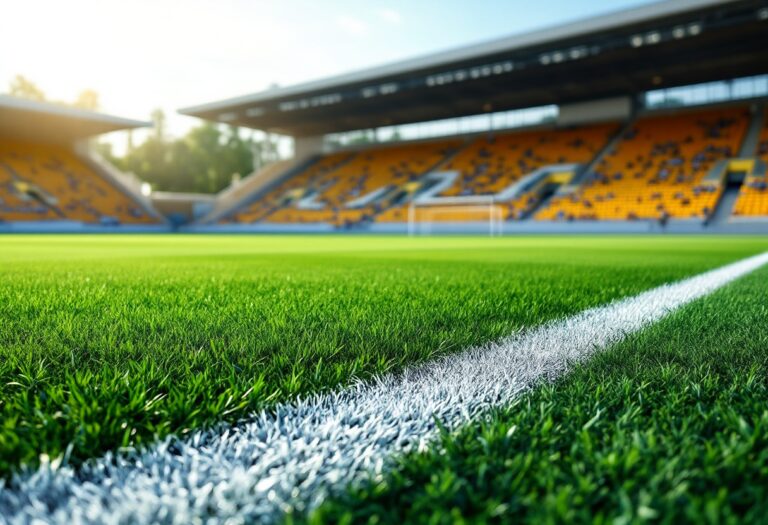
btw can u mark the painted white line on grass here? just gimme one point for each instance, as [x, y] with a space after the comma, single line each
[295, 455]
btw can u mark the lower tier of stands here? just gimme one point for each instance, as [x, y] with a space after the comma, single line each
[44, 182]
[321, 192]
[327, 190]
[660, 167]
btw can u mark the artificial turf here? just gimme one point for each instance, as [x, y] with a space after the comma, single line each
[115, 341]
[669, 426]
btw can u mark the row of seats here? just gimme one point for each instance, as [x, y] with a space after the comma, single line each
[43, 182]
[490, 164]
[337, 179]
[753, 199]
[485, 166]
[286, 195]
[657, 170]
[753, 194]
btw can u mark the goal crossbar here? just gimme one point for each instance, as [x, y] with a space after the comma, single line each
[421, 218]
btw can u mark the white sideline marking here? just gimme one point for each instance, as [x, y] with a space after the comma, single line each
[293, 457]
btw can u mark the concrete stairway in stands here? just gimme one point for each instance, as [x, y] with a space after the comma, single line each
[128, 183]
[725, 205]
[607, 148]
[749, 145]
[543, 203]
[236, 194]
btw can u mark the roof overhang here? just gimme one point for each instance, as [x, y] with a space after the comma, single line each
[29, 119]
[680, 42]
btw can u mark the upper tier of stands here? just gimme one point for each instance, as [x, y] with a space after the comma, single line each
[656, 170]
[753, 195]
[41, 182]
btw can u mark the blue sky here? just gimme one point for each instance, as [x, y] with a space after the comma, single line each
[144, 54]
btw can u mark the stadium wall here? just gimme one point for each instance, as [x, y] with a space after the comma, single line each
[747, 227]
[78, 227]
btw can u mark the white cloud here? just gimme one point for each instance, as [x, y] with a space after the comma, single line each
[353, 26]
[390, 15]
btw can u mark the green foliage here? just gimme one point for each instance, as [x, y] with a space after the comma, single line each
[204, 160]
[669, 426]
[114, 341]
[362, 137]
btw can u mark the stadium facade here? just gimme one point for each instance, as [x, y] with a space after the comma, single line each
[587, 126]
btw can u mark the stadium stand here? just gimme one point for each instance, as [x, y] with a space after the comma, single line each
[490, 164]
[562, 169]
[753, 194]
[287, 193]
[48, 182]
[642, 62]
[51, 179]
[321, 192]
[657, 170]
[485, 166]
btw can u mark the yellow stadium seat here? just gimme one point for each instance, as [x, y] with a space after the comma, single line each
[657, 168]
[43, 182]
[342, 177]
[753, 195]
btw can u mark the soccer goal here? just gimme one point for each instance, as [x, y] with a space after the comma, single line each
[423, 218]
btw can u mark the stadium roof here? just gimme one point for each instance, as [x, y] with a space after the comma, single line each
[24, 118]
[664, 44]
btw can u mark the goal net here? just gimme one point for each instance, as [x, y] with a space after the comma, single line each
[426, 219]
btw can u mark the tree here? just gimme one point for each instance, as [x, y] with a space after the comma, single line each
[22, 87]
[104, 149]
[395, 136]
[364, 136]
[158, 122]
[87, 99]
[205, 160]
[25, 88]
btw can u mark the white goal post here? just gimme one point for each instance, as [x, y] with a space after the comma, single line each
[422, 217]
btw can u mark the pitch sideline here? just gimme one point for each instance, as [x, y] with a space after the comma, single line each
[291, 457]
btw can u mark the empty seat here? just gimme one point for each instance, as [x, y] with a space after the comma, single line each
[657, 169]
[44, 182]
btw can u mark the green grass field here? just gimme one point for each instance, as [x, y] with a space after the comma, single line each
[116, 341]
[669, 426]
